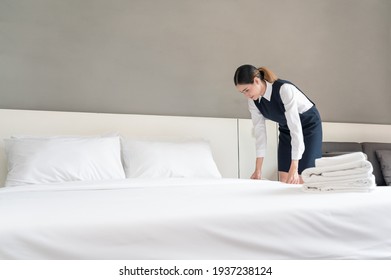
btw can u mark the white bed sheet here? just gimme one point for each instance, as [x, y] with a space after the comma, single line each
[192, 219]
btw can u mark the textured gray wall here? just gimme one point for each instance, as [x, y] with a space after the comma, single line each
[177, 57]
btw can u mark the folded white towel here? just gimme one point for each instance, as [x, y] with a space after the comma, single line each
[359, 185]
[336, 179]
[341, 159]
[345, 171]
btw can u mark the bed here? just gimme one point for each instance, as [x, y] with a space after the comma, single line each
[194, 209]
[192, 219]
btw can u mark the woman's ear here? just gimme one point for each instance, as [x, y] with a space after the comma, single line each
[257, 80]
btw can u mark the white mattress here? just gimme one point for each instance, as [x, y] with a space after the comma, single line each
[192, 219]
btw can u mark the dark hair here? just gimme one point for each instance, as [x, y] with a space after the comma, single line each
[246, 73]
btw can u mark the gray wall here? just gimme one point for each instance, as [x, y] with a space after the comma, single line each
[177, 57]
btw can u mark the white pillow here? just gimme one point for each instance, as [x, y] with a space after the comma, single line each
[151, 159]
[62, 159]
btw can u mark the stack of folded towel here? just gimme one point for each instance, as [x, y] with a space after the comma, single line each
[349, 172]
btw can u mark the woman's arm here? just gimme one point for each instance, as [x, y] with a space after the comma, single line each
[260, 138]
[289, 95]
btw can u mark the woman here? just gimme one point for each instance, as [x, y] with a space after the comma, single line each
[300, 137]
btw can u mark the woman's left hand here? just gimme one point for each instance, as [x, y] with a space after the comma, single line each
[293, 174]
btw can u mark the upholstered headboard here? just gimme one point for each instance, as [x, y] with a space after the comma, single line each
[338, 148]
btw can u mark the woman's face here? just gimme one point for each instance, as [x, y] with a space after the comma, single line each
[254, 90]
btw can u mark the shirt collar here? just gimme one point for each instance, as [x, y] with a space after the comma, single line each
[268, 92]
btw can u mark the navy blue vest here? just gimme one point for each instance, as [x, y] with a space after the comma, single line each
[274, 109]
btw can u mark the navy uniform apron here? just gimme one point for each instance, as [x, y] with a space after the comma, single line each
[311, 125]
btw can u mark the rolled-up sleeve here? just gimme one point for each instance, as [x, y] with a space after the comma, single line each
[288, 97]
[259, 129]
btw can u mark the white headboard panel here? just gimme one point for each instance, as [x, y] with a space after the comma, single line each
[220, 132]
[356, 132]
[247, 150]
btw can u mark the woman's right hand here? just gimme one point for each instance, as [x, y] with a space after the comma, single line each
[256, 175]
[258, 167]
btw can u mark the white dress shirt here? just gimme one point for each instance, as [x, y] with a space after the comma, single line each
[295, 103]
